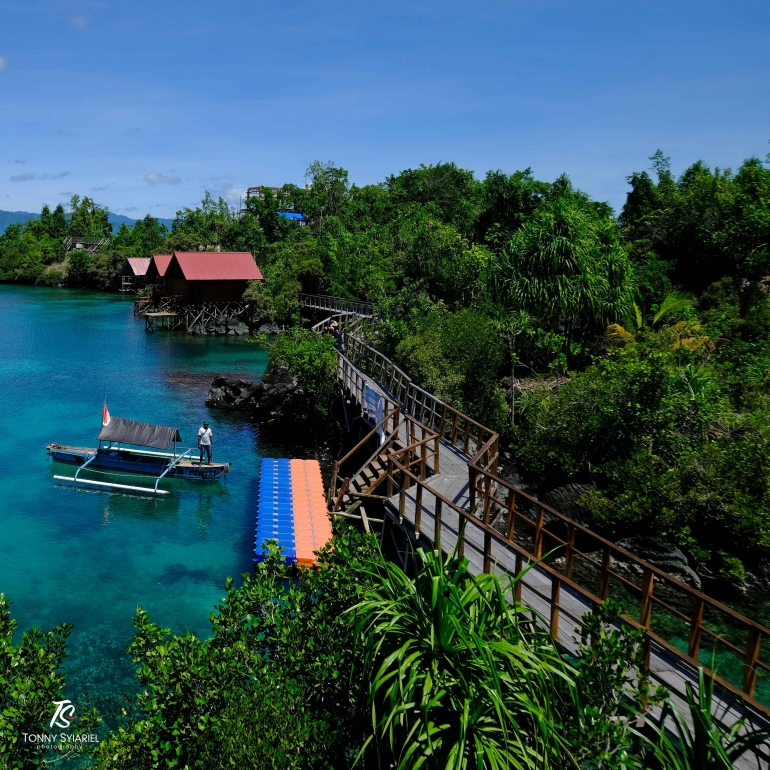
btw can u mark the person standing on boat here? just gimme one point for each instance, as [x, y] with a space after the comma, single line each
[205, 442]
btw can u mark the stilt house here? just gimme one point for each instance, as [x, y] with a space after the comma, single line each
[133, 276]
[204, 276]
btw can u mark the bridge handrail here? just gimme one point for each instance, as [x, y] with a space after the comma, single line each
[755, 631]
[493, 496]
[489, 491]
[327, 302]
[463, 432]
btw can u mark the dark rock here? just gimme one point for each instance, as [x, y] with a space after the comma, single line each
[755, 583]
[278, 396]
[270, 329]
[238, 328]
[232, 394]
[273, 400]
[565, 501]
[664, 556]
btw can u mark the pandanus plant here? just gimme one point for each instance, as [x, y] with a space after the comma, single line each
[459, 674]
[697, 739]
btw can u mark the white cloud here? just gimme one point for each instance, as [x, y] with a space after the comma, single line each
[3, 63]
[29, 176]
[229, 192]
[156, 178]
[79, 21]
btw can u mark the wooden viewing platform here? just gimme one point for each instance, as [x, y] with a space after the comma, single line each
[435, 472]
[159, 320]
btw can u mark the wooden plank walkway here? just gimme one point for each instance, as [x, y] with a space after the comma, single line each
[537, 587]
[561, 605]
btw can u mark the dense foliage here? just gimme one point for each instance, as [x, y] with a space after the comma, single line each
[657, 318]
[354, 664]
[311, 358]
[30, 680]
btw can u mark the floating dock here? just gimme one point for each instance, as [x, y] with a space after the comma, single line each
[292, 509]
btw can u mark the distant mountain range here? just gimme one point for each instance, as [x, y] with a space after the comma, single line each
[12, 217]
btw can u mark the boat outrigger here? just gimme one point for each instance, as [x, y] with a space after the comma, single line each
[111, 456]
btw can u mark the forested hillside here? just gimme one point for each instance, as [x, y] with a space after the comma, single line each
[640, 342]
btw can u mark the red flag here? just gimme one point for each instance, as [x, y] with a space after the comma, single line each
[105, 414]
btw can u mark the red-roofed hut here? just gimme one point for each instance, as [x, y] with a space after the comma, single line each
[206, 276]
[134, 273]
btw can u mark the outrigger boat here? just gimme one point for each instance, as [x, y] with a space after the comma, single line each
[111, 456]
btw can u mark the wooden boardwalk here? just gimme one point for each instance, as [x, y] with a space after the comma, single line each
[452, 499]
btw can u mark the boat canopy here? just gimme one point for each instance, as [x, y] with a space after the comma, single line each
[138, 433]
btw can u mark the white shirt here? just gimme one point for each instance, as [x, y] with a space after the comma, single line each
[204, 436]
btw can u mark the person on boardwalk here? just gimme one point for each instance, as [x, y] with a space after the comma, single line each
[339, 340]
[205, 442]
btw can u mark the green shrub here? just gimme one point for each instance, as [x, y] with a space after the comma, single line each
[312, 359]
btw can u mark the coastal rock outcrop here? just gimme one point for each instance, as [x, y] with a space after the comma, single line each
[272, 400]
[231, 329]
[226, 393]
[565, 500]
[665, 556]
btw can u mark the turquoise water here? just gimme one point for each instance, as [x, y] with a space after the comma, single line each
[90, 557]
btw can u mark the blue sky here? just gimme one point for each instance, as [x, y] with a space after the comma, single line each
[145, 105]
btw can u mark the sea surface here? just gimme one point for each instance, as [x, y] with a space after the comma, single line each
[89, 557]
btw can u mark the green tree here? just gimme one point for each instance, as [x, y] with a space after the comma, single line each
[312, 359]
[87, 219]
[567, 269]
[30, 681]
[271, 688]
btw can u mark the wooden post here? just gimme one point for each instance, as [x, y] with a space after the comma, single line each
[333, 484]
[696, 626]
[418, 510]
[645, 608]
[443, 422]
[391, 470]
[423, 460]
[467, 435]
[487, 552]
[750, 664]
[570, 549]
[343, 489]
[454, 429]
[437, 524]
[517, 590]
[555, 595]
[539, 533]
[604, 587]
[401, 504]
[511, 528]
[461, 537]
[472, 473]
[487, 507]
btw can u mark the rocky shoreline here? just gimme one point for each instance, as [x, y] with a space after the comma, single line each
[271, 401]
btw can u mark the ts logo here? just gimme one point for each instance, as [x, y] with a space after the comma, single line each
[65, 713]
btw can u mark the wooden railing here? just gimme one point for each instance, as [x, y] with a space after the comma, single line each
[336, 304]
[392, 416]
[462, 432]
[402, 429]
[672, 615]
